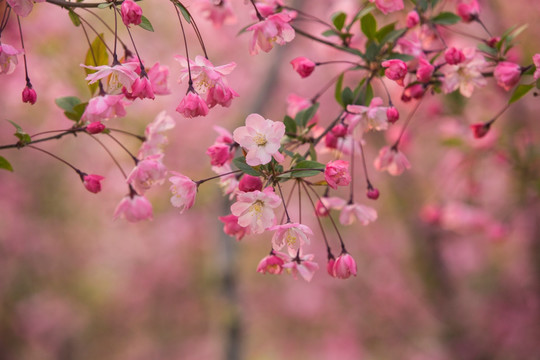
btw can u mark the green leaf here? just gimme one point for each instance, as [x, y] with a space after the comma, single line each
[328, 33]
[368, 25]
[520, 91]
[339, 86]
[240, 163]
[184, 11]
[538, 84]
[4, 164]
[339, 20]
[290, 125]
[347, 96]
[392, 36]
[369, 8]
[384, 31]
[446, 18]
[307, 164]
[303, 117]
[23, 137]
[372, 50]
[74, 17]
[403, 57]
[67, 103]
[97, 51]
[104, 5]
[145, 24]
[487, 49]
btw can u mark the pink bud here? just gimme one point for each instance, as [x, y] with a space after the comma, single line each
[330, 266]
[92, 183]
[95, 127]
[372, 193]
[507, 74]
[345, 266]
[192, 105]
[250, 183]
[231, 226]
[29, 95]
[303, 66]
[424, 71]
[340, 130]
[337, 173]
[415, 91]
[395, 70]
[320, 209]
[392, 114]
[493, 41]
[219, 154]
[480, 130]
[454, 56]
[131, 13]
[412, 19]
[468, 11]
[331, 141]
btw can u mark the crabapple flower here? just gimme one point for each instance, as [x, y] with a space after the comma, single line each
[336, 173]
[392, 114]
[192, 105]
[412, 19]
[95, 127]
[8, 58]
[255, 209]
[219, 154]
[303, 66]
[29, 95]
[218, 14]
[134, 208]
[22, 7]
[372, 117]
[454, 56]
[148, 172]
[364, 214]
[507, 74]
[117, 76]
[203, 73]
[228, 183]
[104, 107]
[480, 130]
[395, 70]
[154, 138]
[424, 71]
[141, 88]
[344, 266]
[465, 75]
[302, 265]
[325, 204]
[250, 183]
[388, 6]
[220, 94]
[261, 138]
[274, 29]
[468, 11]
[415, 91]
[158, 75]
[292, 235]
[92, 183]
[131, 13]
[231, 227]
[391, 160]
[184, 191]
[272, 264]
[536, 61]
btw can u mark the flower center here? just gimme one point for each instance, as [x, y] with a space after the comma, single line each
[257, 208]
[260, 139]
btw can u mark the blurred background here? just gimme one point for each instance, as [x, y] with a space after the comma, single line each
[451, 270]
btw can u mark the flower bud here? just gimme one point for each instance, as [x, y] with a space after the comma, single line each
[392, 114]
[92, 183]
[250, 183]
[507, 74]
[330, 266]
[340, 130]
[454, 56]
[480, 130]
[29, 95]
[424, 71]
[468, 11]
[372, 193]
[345, 266]
[131, 13]
[95, 127]
[303, 66]
[395, 70]
[412, 19]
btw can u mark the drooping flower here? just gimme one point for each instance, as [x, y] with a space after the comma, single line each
[92, 183]
[134, 208]
[203, 73]
[184, 191]
[148, 172]
[131, 13]
[142, 88]
[388, 6]
[192, 105]
[8, 58]
[372, 193]
[391, 160]
[22, 7]
[303, 66]
[29, 95]
[292, 235]
[116, 76]
[507, 74]
[325, 204]
[468, 11]
[302, 265]
[395, 70]
[220, 94]
[274, 29]
[104, 107]
[261, 138]
[219, 154]
[255, 209]
[219, 14]
[392, 114]
[372, 117]
[272, 264]
[336, 173]
[158, 75]
[232, 228]
[344, 266]
[364, 214]
[465, 75]
[155, 140]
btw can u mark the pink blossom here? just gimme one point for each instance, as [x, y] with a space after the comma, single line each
[391, 160]
[345, 266]
[303, 66]
[468, 11]
[364, 214]
[395, 70]
[536, 61]
[155, 140]
[95, 127]
[203, 73]
[325, 204]
[254, 209]
[302, 265]
[272, 264]
[92, 183]
[104, 107]
[274, 29]
[388, 6]
[184, 191]
[219, 154]
[131, 13]
[117, 76]
[507, 74]
[218, 14]
[250, 183]
[372, 117]
[392, 114]
[424, 71]
[414, 91]
[340, 130]
[292, 235]
[336, 173]
[29, 95]
[227, 183]
[454, 56]
[297, 103]
[261, 138]
[141, 88]
[480, 130]
[22, 7]
[134, 208]
[224, 135]
[8, 58]
[192, 105]
[465, 75]
[231, 227]
[220, 94]
[158, 75]
[330, 265]
[147, 172]
[412, 19]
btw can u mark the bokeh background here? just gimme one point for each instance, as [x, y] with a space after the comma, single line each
[451, 270]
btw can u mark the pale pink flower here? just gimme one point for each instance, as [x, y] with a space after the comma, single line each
[250, 183]
[424, 70]
[272, 264]
[412, 19]
[155, 140]
[29, 95]
[302, 265]
[219, 14]
[134, 208]
[344, 266]
[364, 214]
[507, 74]
[395, 70]
[158, 75]
[303, 66]
[220, 94]
[391, 160]
[454, 56]
[336, 173]
[255, 209]
[131, 13]
[261, 138]
[116, 76]
[8, 58]
[203, 73]
[184, 191]
[148, 172]
[297, 103]
[224, 135]
[22, 7]
[292, 235]
[325, 204]
[192, 105]
[411, 45]
[104, 107]
[274, 29]
[536, 61]
[388, 6]
[372, 117]
[231, 227]
[92, 183]
[468, 11]
[465, 75]
[227, 183]
[219, 154]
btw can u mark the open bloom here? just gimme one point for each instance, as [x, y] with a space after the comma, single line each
[117, 76]
[203, 73]
[131, 13]
[261, 138]
[364, 214]
[466, 74]
[303, 66]
[155, 139]
[158, 75]
[325, 204]
[272, 264]
[218, 14]
[391, 160]
[302, 265]
[255, 209]
[148, 172]
[337, 174]
[184, 191]
[388, 6]
[274, 29]
[344, 266]
[92, 183]
[104, 107]
[22, 7]
[8, 58]
[220, 94]
[372, 117]
[507, 74]
[192, 105]
[292, 235]
[134, 208]
[232, 228]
